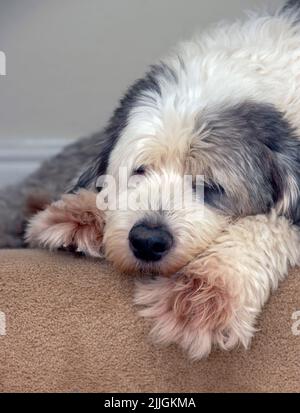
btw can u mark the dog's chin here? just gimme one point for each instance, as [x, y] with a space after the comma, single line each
[130, 265]
[118, 252]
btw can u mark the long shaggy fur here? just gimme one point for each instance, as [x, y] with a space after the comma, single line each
[225, 105]
[73, 221]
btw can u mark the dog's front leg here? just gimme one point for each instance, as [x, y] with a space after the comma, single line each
[72, 222]
[215, 299]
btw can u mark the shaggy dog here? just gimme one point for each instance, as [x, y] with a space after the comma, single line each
[225, 106]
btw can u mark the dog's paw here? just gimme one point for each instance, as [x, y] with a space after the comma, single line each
[197, 308]
[72, 222]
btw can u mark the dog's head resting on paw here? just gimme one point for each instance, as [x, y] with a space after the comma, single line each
[198, 113]
[246, 153]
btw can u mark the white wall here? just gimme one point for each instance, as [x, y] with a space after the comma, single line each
[68, 61]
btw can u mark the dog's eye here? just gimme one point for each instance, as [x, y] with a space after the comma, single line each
[141, 170]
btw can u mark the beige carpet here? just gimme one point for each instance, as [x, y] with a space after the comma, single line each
[71, 326]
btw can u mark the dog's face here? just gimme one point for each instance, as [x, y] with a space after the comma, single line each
[246, 153]
[164, 233]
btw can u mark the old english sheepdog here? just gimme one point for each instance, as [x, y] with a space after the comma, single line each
[224, 106]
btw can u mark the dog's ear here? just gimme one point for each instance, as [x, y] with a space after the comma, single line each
[88, 177]
[285, 173]
[289, 204]
[97, 166]
[72, 222]
[275, 146]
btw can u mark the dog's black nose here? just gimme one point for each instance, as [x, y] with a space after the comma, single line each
[150, 243]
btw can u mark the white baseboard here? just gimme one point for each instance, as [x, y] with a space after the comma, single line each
[20, 157]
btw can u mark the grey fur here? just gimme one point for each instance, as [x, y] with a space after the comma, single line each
[292, 4]
[250, 152]
[291, 7]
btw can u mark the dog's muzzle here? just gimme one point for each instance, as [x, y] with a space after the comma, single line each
[150, 243]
